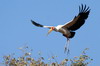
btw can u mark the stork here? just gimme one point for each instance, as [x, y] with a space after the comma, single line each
[68, 29]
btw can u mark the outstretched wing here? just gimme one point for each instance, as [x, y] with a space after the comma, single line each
[79, 20]
[39, 25]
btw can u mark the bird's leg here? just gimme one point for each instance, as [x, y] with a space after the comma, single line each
[66, 48]
[68, 41]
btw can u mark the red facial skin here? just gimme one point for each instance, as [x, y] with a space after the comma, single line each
[52, 28]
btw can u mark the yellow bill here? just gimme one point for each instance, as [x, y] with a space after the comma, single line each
[49, 31]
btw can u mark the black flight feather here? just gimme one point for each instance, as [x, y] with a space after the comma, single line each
[82, 16]
[36, 24]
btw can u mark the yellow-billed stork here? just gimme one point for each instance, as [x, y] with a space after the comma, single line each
[68, 29]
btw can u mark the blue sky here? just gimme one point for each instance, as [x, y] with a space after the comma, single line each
[16, 29]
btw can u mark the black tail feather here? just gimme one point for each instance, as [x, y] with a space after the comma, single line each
[72, 34]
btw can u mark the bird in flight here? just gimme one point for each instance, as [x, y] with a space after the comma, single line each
[68, 29]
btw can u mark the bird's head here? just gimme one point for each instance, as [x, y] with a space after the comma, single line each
[51, 29]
